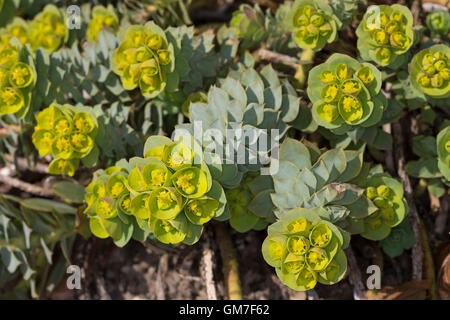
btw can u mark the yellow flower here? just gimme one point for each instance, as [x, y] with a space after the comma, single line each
[158, 177]
[165, 200]
[184, 182]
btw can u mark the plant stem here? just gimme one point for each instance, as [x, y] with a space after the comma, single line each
[302, 70]
[229, 261]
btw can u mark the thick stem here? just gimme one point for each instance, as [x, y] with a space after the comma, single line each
[302, 70]
[229, 261]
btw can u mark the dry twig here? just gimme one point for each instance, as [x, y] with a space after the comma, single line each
[355, 275]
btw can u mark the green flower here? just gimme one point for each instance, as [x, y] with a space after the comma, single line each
[386, 194]
[144, 59]
[439, 22]
[165, 203]
[306, 249]
[21, 75]
[312, 23]
[11, 100]
[61, 166]
[429, 71]
[191, 182]
[102, 18]
[169, 231]
[200, 211]
[345, 93]
[385, 34]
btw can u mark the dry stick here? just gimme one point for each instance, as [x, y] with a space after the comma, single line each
[441, 220]
[429, 263]
[355, 275]
[275, 57]
[417, 250]
[160, 275]
[389, 156]
[23, 164]
[27, 187]
[206, 268]
[229, 261]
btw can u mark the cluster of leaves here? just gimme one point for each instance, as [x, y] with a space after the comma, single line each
[401, 238]
[170, 194]
[17, 77]
[47, 30]
[68, 133]
[385, 34]
[438, 22]
[249, 203]
[306, 248]
[434, 165]
[31, 230]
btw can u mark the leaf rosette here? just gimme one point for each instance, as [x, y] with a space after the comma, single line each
[305, 248]
[429, 71]
[68, 133]
[385, 34]
[345, 94]
[309, 177]
[439, 22]
[401, 238]
[144, 59]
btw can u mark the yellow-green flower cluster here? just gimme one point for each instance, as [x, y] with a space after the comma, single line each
[385, 34]
[67, 133]
[143, 59]
[386, 194]
[305, 249]
[102, 18]
[47, 30]
[17, 78]
[313, 24]
[345, 93]
[430, 71]
[165, 192]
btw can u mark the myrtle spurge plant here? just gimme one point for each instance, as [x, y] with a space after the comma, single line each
[345, 93]
[102, 18]
[306, 248]
[429, 71]
[433, 167]
[68, 133]
[17, 77]
[313, 24]
[144, 59]
[165, 194]
[249, 204]
[385, 34]
[386, 193]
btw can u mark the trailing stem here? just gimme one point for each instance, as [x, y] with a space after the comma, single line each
[229, 261]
